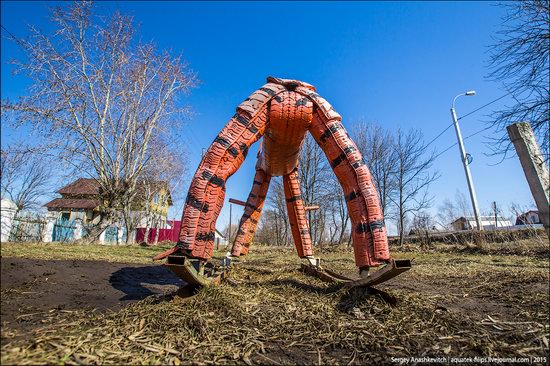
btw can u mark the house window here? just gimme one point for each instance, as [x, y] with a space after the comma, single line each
[65, 216]
[156, 198]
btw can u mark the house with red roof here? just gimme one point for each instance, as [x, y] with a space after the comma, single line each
[80, 200]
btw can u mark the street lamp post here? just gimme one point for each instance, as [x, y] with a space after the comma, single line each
[465, 161]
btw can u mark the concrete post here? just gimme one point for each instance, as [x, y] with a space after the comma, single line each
[77, 235]
[102, 236]
[120, 235]
[47, 233]
[534, 167]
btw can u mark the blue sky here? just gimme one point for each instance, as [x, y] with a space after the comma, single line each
[398, 64]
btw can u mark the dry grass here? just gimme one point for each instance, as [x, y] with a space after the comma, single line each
[109, 253]
[535, 247]
[450, 305]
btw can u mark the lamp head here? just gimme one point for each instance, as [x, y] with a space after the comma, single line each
[470, 93]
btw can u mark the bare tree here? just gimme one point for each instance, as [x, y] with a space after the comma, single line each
[164, 172]
[268, 228]
[446, 214]
[24, 176]
[101, 98]
[449, 210]
[234, 228]
[337, 212]
[318, 186]
[315, 176]
[377, 146]
[519, 59]
[413, 176]
[278, 212]
[422, 223]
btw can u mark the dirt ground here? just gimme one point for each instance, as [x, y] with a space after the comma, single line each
[31, 287]
[450, 305]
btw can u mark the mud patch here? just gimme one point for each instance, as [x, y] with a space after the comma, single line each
[31, 287]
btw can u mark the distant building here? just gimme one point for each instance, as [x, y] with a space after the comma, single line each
[219, 239]
[487, 222]
[80, 200]
[528, 218]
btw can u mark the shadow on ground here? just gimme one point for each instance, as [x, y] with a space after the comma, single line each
[140, 282]
[32, 287]
[349, 299]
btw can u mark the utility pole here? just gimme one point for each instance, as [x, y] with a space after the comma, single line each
[229, 234]
[465, 161]
[495, 211]
[534, 167]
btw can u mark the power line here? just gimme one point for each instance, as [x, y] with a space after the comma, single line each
[465, 138]
[194, 148]
[447, 149]
[20, 42]
[485, 105]
[475, 133]
[438, 136]
[4, 28]
[466, 115]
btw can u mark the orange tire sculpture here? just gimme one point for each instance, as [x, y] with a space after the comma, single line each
[282, 112]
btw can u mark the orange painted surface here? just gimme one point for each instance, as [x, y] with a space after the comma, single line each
[297, 214]
[282, 112]
[289, 119]
[251, 215]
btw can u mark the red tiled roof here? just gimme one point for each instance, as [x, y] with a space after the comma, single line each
[90, 187]
[81, 186]
[70, 203]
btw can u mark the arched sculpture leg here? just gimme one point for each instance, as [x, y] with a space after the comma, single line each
[251, 215]
[284, 110]
[222, 159]
[368, 230]
[297, 215]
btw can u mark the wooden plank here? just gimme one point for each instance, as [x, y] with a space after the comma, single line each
[237, 202]
[312, 207]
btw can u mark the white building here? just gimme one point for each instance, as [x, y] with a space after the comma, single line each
[8, 209]
[487, 222]
[219, 240]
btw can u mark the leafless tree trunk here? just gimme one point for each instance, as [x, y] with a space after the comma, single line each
[314, 174]
[377, 147]
[277, 203]
[337, 211]
[157, 233]
[413, 176]
[102, 100]
[519, 59]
